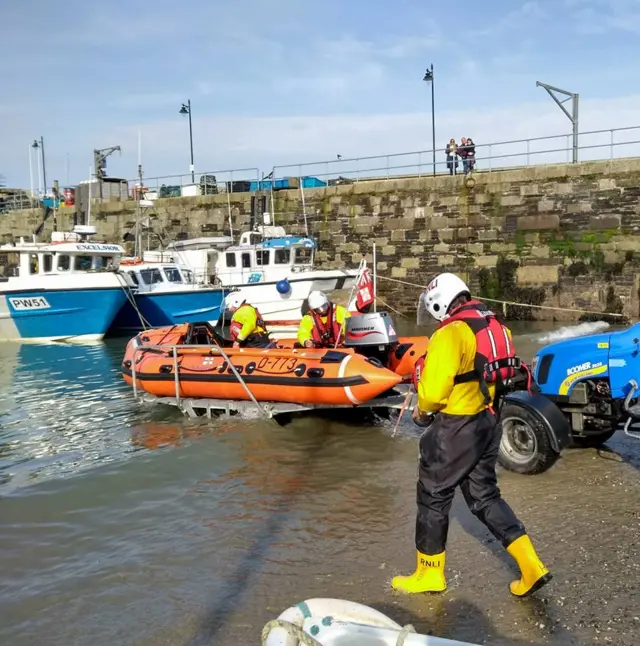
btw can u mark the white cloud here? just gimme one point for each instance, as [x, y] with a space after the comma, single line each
[524, 14]
[596, 17]
[334, 83]
[146, 100]
[346, 48]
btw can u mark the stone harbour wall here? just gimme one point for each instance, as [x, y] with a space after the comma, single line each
[565, 236]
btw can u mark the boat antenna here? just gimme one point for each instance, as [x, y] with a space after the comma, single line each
[137, 245]
[56, 203]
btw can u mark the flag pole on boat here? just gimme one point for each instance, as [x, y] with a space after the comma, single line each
[361, 267]
[375, 280]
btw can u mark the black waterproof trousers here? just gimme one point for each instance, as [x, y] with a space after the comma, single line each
[461, 450]
[256, 340]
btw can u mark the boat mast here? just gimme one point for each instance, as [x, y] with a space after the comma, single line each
[137, 245]
[229, 215]
[304, 208]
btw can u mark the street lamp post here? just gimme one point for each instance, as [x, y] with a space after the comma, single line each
[572, 116]
[429, 78]
[186, 109]
[40, 144]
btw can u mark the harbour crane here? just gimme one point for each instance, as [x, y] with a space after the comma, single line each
[100, 160]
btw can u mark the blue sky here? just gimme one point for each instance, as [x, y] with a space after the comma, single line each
[292, 81]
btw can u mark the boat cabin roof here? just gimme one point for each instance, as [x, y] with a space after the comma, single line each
[193, 244]
[151, 273]
[287, 242]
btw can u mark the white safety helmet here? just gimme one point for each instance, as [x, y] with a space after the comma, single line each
[233, 300]
[441, 292]
[317, 300]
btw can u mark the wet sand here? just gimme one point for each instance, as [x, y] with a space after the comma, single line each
[582, 516]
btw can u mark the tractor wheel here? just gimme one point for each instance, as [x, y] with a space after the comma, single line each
[525, 446]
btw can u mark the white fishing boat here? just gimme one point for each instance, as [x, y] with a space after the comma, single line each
[274, 271]
[64, 290]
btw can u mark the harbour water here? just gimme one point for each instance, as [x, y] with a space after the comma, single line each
[129, 524]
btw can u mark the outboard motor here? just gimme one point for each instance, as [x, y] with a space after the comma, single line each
[372, 335]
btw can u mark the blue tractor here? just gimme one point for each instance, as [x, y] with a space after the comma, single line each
[584, 389]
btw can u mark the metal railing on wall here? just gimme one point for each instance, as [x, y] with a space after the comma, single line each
[236, 180]
[555, 149]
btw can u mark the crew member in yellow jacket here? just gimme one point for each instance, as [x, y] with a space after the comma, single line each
[324, 324]
[248, 328]
[469, 354]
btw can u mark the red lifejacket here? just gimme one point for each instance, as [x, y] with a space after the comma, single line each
[236, 326]
[495, 361]
[325, 334]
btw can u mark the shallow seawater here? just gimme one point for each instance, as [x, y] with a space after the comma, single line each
[125, 523]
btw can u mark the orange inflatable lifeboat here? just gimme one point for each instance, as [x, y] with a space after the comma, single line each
[301, 376]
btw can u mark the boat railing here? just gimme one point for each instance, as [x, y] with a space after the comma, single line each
[174, 351]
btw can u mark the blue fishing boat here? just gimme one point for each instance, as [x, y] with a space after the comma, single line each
[64, 290]
[162, 293]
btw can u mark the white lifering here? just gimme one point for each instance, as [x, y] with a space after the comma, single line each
[337, 622]
[338, 609]
[328, 632]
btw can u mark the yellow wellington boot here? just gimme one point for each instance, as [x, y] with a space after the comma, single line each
[534, 573]
[428, 577]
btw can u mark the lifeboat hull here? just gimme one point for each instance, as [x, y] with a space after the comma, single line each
[303, 376]
[402, 355]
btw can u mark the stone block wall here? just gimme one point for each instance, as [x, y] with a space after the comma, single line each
[565, 236]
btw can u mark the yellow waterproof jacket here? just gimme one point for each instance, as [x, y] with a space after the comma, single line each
[452, 350]
[307, 324]
[245, 318]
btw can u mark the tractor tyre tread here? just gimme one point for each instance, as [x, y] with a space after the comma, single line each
[545, 456]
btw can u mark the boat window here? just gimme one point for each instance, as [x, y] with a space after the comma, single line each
[151, 276]
[172, 274]
[103, 262]
[283, 256]
[134, 278]
[82, 263]
[47, 262]
[303, 256]
[262, 256]
[188, 275]
[231, 259]
[33, 263]
[246, 260]
[64, 262]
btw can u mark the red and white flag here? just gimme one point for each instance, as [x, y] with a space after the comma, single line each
[365, 295]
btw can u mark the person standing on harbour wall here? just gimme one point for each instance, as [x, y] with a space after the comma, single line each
[470, 353]
[452, 157]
